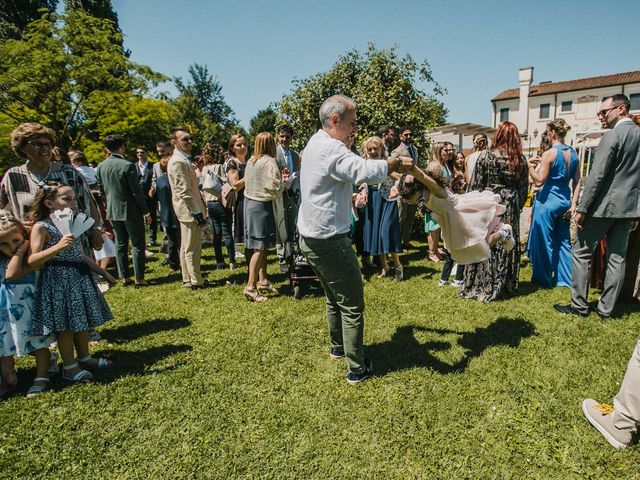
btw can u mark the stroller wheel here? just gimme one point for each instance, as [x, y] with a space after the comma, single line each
[297, 292]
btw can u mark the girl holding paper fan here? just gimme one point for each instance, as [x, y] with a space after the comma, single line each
[68, 301]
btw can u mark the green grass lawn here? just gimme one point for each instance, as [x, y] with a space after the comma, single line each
[207, 385]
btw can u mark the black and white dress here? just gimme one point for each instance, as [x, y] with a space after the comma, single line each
[67, 297]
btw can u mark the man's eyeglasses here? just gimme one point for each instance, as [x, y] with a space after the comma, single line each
[40, 145]
[604, 113]
[185, 139]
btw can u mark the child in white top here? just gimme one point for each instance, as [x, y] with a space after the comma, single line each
[470, 222]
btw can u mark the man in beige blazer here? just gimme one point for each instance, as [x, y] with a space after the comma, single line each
[188, 205]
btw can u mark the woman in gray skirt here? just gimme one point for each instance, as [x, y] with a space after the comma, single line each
[263, 185]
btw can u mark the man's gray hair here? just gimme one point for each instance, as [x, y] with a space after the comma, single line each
[336, 104]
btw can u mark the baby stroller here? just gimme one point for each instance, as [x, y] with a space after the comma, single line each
[300, 272]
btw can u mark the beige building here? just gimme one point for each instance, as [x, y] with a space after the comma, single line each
[531, 106]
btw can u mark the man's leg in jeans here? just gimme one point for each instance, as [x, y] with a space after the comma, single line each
[627, 401]
[336, 263]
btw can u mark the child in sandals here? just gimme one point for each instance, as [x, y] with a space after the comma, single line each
[17, 291]
[68, 301]
[470, 222]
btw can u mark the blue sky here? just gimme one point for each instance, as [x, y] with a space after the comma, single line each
[255, 48]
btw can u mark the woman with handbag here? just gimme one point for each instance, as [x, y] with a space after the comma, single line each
[220, 217]
[549, 246]
[263, 186]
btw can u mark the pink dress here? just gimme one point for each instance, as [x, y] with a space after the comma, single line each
[465, 220]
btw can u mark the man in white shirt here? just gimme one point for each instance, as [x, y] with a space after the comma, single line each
[327, 176]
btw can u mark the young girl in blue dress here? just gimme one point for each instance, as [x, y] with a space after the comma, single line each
[68, 301]
[17, 291]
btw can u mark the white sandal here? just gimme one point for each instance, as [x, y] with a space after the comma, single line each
[83, 376]
[102, 362]
[36, 390]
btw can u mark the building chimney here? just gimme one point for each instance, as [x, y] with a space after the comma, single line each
[525, 79]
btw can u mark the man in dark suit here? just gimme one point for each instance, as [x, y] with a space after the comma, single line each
[145, 177]
[610, 202]
[126, 208]
[388, 136]
[289, 159]
[407, 211]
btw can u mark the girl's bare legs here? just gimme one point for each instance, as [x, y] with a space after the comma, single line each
[66, 348]
[493, 238]
[396, 260]
[8, 367]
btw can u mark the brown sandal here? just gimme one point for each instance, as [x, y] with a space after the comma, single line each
[254, 296]
[267, 288]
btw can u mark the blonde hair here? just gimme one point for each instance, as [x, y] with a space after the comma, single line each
[265, 145]
[25, 132]
[365, 145]
[436, 152]
[559, 126]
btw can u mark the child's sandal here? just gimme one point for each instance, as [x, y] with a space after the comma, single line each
[36, 390]
[83, 376]
[102, 362]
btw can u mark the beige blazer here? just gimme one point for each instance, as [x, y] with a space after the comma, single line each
[185, 193]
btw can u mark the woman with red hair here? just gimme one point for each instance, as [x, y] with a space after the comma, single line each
[502, 169]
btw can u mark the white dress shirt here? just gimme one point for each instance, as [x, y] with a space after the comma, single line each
[327, 175]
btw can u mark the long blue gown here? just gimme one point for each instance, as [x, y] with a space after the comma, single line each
[549, 247]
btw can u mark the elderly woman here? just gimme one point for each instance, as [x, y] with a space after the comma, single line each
[34, 143]
[262, 186]
[503, 170]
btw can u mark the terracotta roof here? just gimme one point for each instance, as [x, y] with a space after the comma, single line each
[571, 85]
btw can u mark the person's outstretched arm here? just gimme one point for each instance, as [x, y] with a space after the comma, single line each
[428, 182]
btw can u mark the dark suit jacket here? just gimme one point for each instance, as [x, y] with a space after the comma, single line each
[146, 177]
[119, 183]
[281, 161]
[612, 189]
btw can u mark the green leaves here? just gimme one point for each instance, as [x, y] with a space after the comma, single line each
[387, 88]
[71, 73]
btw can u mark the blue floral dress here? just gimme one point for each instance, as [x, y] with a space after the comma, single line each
[16, 306]
[67, 297]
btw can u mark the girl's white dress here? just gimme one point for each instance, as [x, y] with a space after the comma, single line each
[16, 307]
[465, 220]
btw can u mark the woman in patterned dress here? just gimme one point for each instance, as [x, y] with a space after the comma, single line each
[503, 170]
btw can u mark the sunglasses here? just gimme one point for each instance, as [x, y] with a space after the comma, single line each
[604, 113]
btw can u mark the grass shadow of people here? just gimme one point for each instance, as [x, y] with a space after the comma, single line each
[141, 329]
[404, 351]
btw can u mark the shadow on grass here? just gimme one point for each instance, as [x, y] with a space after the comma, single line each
[405, 351]
[125, 363]
[137, 363]
[137, 330]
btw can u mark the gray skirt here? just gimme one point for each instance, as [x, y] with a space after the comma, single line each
[259, 225]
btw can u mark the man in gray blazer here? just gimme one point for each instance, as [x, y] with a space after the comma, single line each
[609, 203]
[126, 208]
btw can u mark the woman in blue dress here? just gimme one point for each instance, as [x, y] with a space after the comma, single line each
[549, 247]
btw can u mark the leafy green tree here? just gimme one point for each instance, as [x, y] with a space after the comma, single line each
[386, 87]
[95, 8]
[68, 74]
[15, 15]
[202, 107]
[263, 121]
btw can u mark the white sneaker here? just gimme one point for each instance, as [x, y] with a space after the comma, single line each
[507, 240]
[457, 283]
[443, 283]
[239, 255]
